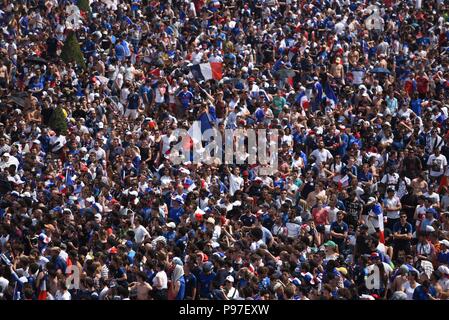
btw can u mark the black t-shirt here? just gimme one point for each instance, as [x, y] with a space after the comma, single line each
[361, 243]
[308, 188]
[353, 208]
[46, 115]
[409, 200]
[52, 45]
[402, 229]
[248, 221]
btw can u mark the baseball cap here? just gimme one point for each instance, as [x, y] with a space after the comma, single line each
[178, 261]
[129, 243]
[443, 269]
[208, 266]
[210, 220]
[171, 225]
[371, 200]
[230, 278]
[330, 243]
[445, 242]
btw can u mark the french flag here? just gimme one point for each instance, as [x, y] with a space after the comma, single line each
[43, 289]
[343, 183]
[377, 210]
[207, 71]
[302, 100]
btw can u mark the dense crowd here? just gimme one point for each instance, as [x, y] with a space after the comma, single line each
[359, 205]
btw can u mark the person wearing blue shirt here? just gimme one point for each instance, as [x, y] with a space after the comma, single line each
[443, 255]
[339, 230]
[426, 291]
[120, 53]
[185, 97]
[176, 210]
[170, 234]
[131, 253]
[206, 278]
[415, 104]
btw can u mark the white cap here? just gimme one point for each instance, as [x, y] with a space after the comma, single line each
[184, 170]
[445, 242]
[230, 278]
[171, 225]
[210, 220]
[98, 216]
[371, 200]
[443, 269]
[100, 125]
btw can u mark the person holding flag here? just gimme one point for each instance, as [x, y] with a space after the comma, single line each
[376, 219]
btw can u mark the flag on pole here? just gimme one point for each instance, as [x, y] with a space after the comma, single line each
[302, 100]
[330, 94]
[343, 183]
[207, 71]
[377, 210]
[43, 289]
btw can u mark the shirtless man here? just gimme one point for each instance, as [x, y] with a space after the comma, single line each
[142, 287]
[4, 76]
[337, 71]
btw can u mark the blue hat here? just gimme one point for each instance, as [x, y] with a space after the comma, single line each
[432, 211]
[296, 282]
[177, 260]
[129, 244]
[178, 199]
[377, 209]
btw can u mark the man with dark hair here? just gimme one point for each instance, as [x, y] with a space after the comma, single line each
[402, 235]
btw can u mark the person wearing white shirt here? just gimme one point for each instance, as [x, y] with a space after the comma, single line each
[140, 233]
[392, 207]
[321, 154]
[57, 142]
[235, 181]
[437, 164]
[7, 161]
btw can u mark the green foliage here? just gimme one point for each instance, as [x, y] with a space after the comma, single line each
[84, 5]
[71, 51]
[58, 121]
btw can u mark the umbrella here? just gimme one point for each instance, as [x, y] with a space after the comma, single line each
[36, 60]
[381, 70]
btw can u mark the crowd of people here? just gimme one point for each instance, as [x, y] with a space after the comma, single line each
[95, 209]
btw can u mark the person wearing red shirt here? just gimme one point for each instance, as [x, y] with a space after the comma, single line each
[422, 84]
[320, 217]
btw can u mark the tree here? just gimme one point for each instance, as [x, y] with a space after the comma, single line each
[71, 51]
[58, 121]
[84, 5]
